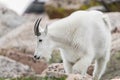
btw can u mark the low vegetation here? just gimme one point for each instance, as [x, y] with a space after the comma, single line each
[35, 78]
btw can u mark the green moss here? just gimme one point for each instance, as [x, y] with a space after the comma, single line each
[2, 79]
[53, 78]
[56, 58]
[117, 55]
[62, 12]
[35, 78]
[91, 4]
[114, 6]
[58, 12]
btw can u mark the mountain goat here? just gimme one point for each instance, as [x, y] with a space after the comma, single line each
[82, 37]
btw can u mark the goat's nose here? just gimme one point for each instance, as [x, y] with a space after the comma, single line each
[38, 58]
[35, 56]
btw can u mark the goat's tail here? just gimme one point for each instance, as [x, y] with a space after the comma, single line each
[107, 21]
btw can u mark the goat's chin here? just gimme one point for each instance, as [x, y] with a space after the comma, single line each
[46, 59]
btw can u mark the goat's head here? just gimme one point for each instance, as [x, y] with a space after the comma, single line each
[44, 48]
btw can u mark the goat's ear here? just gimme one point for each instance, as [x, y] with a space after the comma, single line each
[46, 29]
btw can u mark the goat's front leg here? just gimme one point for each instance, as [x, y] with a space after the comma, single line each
[82, 65]
[67, 66]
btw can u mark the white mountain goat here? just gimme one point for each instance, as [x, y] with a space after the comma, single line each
[82, 37]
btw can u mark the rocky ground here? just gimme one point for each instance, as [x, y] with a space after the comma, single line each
[17, 43]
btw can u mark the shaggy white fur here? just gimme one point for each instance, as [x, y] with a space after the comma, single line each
[82, 37]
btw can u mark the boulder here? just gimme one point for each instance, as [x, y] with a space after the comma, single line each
[12, 69]
[115, 21]
[3, 29]
[78, 77]
[56, 70]
[116, 78]
[113, 68]
[111, 5]
[21, 38]
[9, 20]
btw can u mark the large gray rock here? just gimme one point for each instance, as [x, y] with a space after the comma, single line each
[109, 1]
[11, 69]
[116, 78]
[115, 20]
[113, 68]
[20, 38]
[9, 20]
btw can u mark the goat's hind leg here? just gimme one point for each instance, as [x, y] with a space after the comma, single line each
[100, 66]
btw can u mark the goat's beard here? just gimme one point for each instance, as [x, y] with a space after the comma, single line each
[46, 58]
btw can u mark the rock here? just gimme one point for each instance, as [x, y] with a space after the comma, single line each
[56, 70]
[115, 20]
[111, 5]
[78, 77]
[9, 20]
[12, 69]
[90, 70]
[20, 38]
[109, 1]
[116, 78]
[113, 68]
[115, 42]
[3, 29]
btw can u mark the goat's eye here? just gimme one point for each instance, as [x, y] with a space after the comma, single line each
[40, 40]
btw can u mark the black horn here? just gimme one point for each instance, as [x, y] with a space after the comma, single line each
[36, 27]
